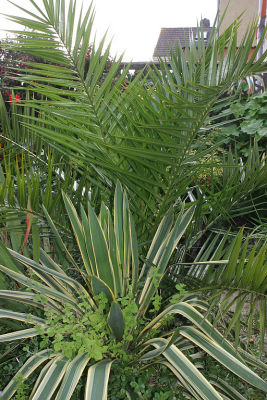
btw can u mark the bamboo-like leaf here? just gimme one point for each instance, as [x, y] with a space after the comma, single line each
[97, 381]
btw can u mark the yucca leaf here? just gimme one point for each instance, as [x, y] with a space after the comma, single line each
[72, 377]
[189, 312]
[78, 231]
[25, 371]
[53, 294]
[227, 389]
[97, 381]
[218, 352]
[187, 370]
[28, 318]
[17, 335]
[103, 262]
[52, 378]
[116, 320]
[163, 255]
[99, 286]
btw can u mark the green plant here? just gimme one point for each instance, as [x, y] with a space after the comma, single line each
[234, 275]
[113, 307]
[250, 125]
[149, 136]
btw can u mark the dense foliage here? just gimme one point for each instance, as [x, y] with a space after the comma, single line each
[119, 293]
[247, 123]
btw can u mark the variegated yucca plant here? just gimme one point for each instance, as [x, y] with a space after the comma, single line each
[108, 260]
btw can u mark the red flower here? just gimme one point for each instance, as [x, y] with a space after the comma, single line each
[17, 98]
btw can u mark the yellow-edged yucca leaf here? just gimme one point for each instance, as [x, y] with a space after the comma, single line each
[163, 254]
[190, 313]
[99, 286]
[182, 382]
[103, 262]
[108, 229]
[78, 232]
[52, 378]
[52, 274]
[22, 297]
[18, 335]
[25, 371]
[97, 381]
[227, 389]
[6, 259]
[72, 376]
[188, 371]
[29, 318]
[43, 289]
[224, 357]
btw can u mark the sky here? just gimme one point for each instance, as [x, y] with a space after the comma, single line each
[134, 26]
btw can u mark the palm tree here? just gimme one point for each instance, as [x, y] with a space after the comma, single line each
[79, 131]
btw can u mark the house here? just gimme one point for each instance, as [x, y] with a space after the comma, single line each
[249, 9]
[169, 37]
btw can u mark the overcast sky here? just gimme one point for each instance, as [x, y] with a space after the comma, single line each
[133, 24]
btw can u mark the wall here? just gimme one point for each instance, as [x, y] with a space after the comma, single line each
[235, 8]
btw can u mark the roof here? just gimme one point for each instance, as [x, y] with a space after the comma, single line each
[169, 37]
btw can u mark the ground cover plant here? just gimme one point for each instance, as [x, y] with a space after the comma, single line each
[77, 130]
[247, 123]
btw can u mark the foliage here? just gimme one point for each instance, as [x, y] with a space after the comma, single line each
[86, 328]
[147, 136]
[77, 131]
[249, 124]
[232, 270]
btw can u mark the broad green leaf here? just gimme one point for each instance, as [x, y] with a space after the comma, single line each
[99, 286]
[116, 320]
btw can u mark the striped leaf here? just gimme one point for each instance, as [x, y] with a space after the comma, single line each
[103, 262]
[97, 381]
[223, 357]
[18, 335]
[52, 379]
[163, 254]
[187, 370]
[72, 377]
[28, 318]
[25, 371]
